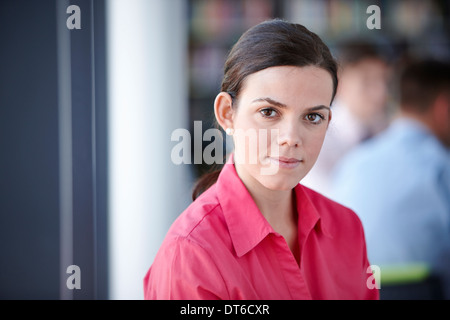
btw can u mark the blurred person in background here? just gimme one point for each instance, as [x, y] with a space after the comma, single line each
[359, 110]
[399, 182]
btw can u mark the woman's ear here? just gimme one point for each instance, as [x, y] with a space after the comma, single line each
[223, 110]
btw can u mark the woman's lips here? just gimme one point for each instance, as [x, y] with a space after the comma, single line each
[284, 162]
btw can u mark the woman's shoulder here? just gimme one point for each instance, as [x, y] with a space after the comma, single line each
[201, 219]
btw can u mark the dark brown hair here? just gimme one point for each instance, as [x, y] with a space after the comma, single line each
[269, 44]
[421, 82]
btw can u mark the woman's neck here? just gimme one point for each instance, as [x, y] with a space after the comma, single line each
[279, 209]
[277, 206]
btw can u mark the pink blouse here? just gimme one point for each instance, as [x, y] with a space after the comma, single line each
[222, 247]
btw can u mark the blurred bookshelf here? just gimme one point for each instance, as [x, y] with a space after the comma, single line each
[415, 28]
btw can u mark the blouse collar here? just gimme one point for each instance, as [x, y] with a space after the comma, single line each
[246, 224]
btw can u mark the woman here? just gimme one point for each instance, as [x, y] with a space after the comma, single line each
[256, 233]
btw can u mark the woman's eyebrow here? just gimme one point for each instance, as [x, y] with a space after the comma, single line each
[319, 108]
[282, 105]
[271, 101]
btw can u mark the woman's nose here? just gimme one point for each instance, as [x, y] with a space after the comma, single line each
[289, 135]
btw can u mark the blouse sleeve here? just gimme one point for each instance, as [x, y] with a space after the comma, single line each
[183, 270]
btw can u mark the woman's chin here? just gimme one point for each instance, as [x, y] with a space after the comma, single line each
[279, 183]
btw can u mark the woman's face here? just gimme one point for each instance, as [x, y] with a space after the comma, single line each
[279, 123]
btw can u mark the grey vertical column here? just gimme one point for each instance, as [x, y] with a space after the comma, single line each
[65, 146]
[83, 148]
[77, 150]
[147, 60]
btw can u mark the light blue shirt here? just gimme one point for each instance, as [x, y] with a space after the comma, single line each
[399, 185]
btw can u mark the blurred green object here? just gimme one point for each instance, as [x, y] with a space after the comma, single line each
[404, 273]
[415, 281]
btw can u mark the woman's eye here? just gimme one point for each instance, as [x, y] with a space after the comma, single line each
[314, 118]
[268, 113]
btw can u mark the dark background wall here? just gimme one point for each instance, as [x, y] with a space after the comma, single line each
[30, 218]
